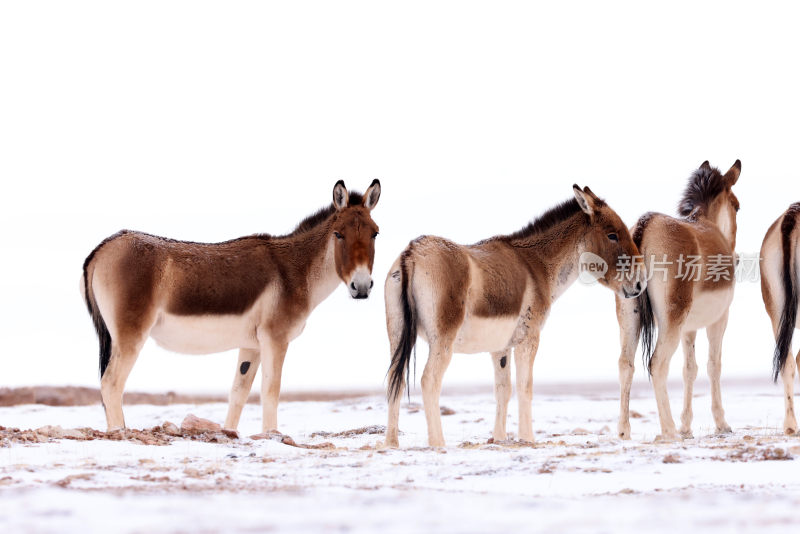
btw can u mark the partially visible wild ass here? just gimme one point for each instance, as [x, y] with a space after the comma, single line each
[494, 296]
[253, 293]
[780, 273]
[691, 262]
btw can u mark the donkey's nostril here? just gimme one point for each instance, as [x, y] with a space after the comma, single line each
[371, 283]
[353, 286]
[638, 286]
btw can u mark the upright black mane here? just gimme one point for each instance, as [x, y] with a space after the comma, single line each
[320, 216]
[704, 185]
[547, 220]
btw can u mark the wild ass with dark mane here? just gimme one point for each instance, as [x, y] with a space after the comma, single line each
[780, 275]
[494, 296]
[691, 262]
[253, 293]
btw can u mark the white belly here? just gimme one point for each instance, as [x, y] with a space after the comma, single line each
[479, 334]
[707, 308]
[204, 334]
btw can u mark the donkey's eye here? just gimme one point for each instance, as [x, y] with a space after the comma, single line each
[338, 235]
[613, 236]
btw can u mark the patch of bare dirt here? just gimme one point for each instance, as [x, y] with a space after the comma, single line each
[372, 429]
[83, 396]
[66, 481]
[492, 444]
[547, 467]
[756, 454]
[158, 435]
[274, 435]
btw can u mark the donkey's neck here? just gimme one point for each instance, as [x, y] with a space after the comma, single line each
[312, 253]
[722, 217]
[323, 278]
[556, 252]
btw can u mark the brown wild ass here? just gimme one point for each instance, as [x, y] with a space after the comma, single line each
[691, 263]
[253, 293]
[780, 273]
[494, 296]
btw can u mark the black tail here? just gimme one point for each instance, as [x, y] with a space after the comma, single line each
[647, 327]
[103, 335]
[783, 343]
[408, 338]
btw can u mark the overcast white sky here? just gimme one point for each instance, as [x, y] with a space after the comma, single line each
[209, 120]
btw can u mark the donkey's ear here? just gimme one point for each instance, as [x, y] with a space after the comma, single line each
[340, 196]
[732, 176]
[585, 200]
[372, 195]
[590, 193]
[705, 165]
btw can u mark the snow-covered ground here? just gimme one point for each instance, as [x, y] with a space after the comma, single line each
[577, 477]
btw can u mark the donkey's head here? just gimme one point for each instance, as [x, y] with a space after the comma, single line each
[355, 232]
[609, 239]
[708, 194]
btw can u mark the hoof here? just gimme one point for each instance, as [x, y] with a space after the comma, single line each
[667, 437]
[789, 425]
[687, 434]
[724, 430]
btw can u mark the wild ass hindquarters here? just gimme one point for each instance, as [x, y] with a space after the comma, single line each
[780, 270]
[671, 310]
[122, 289]
[440, 291]
[429, 300]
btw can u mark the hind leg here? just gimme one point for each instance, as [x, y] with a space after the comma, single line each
[689, 376]
[394, 328]
[524, 354]
[392, 425]
[441, 353]
[246, 368]
[628, 319]
[715, 333]
[659, 366]
[787, 374]
[502, 391]
[112, 383]
[392, 429]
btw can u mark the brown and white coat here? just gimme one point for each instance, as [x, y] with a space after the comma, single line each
[253, 294]
[493, 296]
[678, 305]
